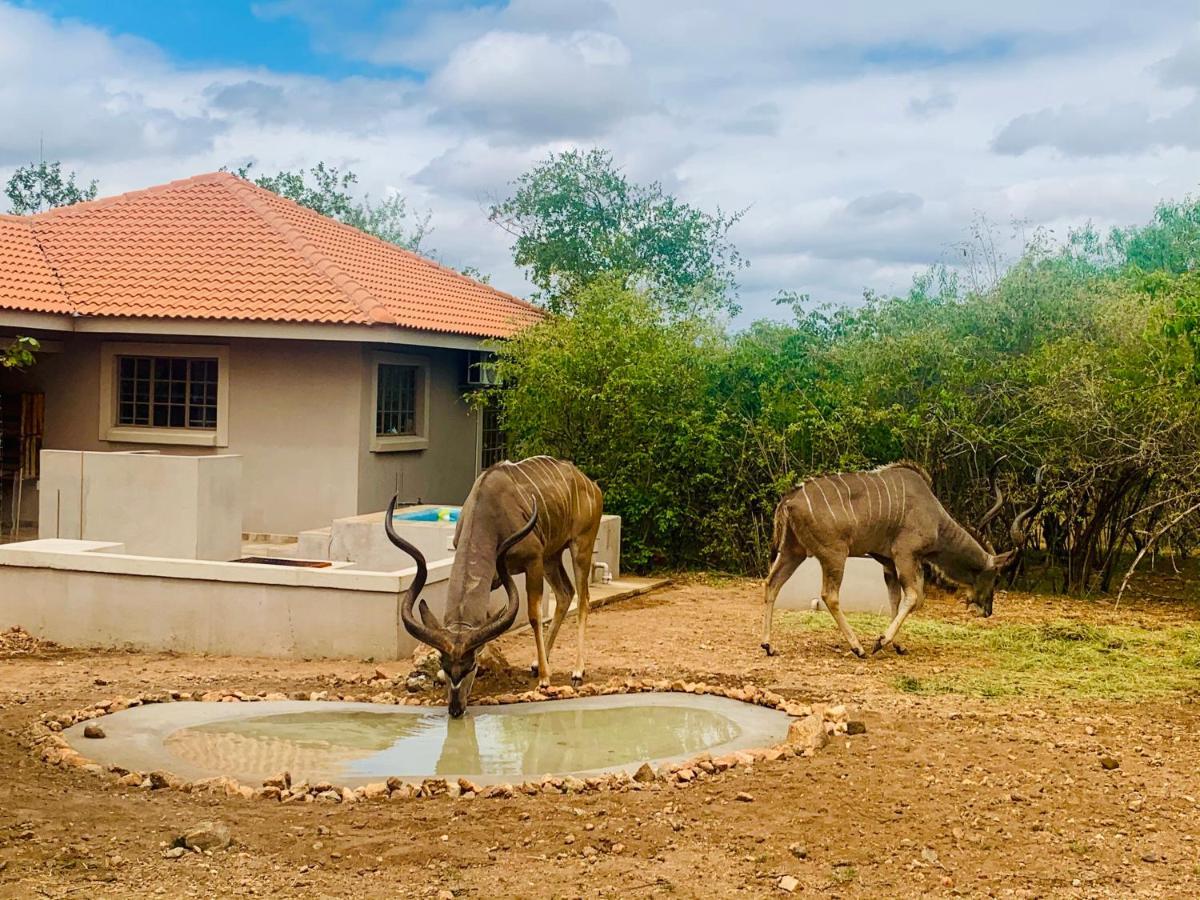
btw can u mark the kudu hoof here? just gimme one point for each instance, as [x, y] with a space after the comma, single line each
[878, 646]
[900, 651]
[771, 651]
[533, 669]
[576, 679]
[858, 651]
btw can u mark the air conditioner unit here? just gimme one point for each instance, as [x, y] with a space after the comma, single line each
[481, 369]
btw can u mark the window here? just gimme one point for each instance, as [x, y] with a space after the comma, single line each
[396, 401]
[167, 392]
[493, 443]
[400, 397]
[164, 394]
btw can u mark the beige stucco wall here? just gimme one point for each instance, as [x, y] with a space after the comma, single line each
[442, 474]
[298, 416]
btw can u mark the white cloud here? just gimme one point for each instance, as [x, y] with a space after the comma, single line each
[540, 87]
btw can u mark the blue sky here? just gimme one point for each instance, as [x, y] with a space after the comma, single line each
[229, 32]
[863, 141]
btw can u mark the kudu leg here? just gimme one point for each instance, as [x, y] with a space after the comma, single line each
[785, 564]
[533, 589]
[912, 584]
[831, 584]
[894, 596]
[556, 574]
[581, 556]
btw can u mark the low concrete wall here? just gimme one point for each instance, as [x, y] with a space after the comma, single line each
[362, 541]
[181, 506]
[92, 594]
[863, 588]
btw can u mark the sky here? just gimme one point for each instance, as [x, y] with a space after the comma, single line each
[860, 140]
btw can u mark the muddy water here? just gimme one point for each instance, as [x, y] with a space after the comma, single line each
[317, 745]
[357, 743]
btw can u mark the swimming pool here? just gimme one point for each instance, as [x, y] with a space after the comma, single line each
[428, 514]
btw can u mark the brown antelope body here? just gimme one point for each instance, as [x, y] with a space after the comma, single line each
[891, 515]
[519, 517]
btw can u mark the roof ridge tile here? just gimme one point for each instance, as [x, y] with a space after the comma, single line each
[375, 311]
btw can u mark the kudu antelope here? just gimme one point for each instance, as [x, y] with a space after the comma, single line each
[891, 515]
[519, 517]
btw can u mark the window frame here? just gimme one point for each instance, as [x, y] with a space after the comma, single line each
[110, 428]
[399, 443]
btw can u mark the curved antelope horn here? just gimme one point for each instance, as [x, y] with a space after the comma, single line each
[995, 507]
[427, 629]
[503, 620]
[1020, 526]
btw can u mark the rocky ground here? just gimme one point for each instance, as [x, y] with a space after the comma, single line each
[945, 795]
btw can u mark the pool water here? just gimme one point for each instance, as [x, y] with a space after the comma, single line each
[357, 743]
[429, 514]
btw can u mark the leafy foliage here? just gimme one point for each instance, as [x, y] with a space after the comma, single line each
[328, 191]
[576, 217]
[1077, 360]
[36, 188]
[20, 353]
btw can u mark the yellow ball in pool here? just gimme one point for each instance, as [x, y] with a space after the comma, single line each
[443, 514]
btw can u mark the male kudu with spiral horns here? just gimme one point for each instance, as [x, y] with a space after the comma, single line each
[519, 517]
[891, 515]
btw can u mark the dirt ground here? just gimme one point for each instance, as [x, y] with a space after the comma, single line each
[944, 795]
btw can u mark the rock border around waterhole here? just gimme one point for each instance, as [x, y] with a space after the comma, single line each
[810, 731]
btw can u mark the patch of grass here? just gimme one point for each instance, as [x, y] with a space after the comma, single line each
[844, 874]
[1060, 658]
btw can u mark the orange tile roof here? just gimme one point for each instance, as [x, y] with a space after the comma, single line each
[218, 247]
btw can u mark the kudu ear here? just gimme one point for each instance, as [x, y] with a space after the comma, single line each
[1002, 561]
[427, 616]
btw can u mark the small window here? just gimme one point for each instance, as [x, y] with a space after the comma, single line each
[493, 442]
[401, 401]
[396, 401]
[167, 392]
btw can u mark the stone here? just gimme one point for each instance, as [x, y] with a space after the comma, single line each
[855, 726]
[491, 659]
[174, 853]
[798, 850]
[574, 785]
[743, 797]
[375, 791]
[788, 884]
[808, 733]
[132, 779]
[283, 781]
[1108, 763]
[93, 731]
[205, 836]
[161, 780]
[644, 774]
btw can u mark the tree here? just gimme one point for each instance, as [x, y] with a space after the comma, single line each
[327, 190]
[576, 217]
[35, 188]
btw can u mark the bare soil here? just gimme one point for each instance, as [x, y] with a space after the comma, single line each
[943, 795]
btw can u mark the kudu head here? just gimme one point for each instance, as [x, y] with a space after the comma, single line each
[456, 642]
[983, 590]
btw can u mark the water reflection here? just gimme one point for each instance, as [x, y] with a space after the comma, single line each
[327, 745]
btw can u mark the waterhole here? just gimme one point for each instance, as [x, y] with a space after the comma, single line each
[357, 743]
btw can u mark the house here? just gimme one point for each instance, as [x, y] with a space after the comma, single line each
[211, 316]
